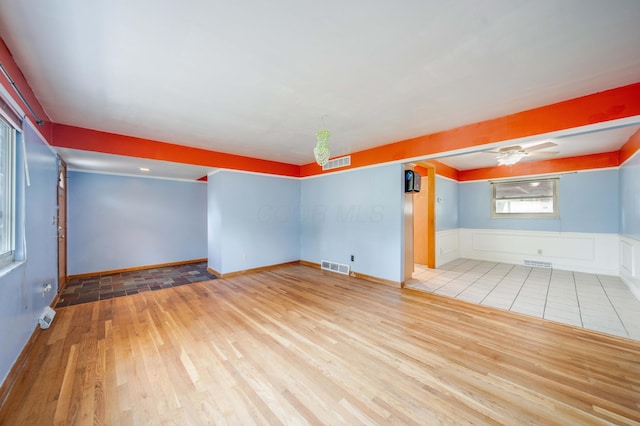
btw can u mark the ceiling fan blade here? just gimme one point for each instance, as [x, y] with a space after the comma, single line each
[529, 150]
[543, 154]
[540, 146]
[504, 149]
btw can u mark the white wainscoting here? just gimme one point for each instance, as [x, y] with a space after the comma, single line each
[581, 252]
[630, 263]
[447, 247]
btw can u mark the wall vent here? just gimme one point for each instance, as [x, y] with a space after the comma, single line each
[335, 267]
[337, 162]
[537, 264]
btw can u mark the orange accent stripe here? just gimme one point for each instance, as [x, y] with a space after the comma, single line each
[16, 75]
[621, 102]
[422, 171]
[630, 147]
[558, 165]
[92, 140]
[444, 170]
[599, 107]
[440, 169]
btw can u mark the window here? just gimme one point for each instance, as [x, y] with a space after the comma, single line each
[533, 198]
[7, 179]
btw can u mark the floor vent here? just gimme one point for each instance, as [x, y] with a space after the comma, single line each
[335, 267]
[337, 162]
[537, 264]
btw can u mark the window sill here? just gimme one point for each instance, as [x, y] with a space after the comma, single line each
[5, 270]
[525, 216]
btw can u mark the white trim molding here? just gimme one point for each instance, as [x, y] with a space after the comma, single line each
[447, 246]
[593, 253]
[630, 263]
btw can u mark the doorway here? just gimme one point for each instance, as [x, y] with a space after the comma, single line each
[419, 221]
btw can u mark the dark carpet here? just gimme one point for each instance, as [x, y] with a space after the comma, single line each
[102, 287]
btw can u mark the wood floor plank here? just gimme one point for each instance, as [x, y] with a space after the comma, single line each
[295, 345]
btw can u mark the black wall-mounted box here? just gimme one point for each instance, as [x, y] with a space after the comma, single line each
[411, 181]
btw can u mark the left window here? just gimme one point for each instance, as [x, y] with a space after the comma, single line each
[7, 192]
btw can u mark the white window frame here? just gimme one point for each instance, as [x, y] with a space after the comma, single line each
[532, 215]
[8, 192]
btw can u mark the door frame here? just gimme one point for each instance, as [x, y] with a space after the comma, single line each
[61, 191]
[431, 217]
[408, 253]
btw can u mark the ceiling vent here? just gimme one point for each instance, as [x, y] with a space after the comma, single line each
[337, 163]
[335, 267]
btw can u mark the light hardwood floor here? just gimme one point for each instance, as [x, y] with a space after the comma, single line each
[295, 346]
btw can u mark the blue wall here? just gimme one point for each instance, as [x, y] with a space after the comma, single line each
[446, 204]
[589, 202]
[117, 222]
[630, 197]
[21, 297]
[253, 221]
[357, 212]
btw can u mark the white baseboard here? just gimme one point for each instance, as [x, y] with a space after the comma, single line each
[573, 251]
[630, 263]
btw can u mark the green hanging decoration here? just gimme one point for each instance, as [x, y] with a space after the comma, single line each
[321, 150]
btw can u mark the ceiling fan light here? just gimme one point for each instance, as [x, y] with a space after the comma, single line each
[509, 158]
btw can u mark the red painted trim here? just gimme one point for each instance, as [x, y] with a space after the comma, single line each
[92, 140]
[630, 147]
[204, 178]
[18, 78]
[558, 165]
[621, 102]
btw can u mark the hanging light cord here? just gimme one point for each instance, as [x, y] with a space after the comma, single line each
[6, 74]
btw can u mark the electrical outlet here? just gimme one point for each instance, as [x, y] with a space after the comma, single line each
[353, 258]
[539, 251]
[46, 287]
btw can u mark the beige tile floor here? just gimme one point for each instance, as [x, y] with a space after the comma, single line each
[596, 302]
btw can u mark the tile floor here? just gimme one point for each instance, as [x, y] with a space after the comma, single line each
[597, 302]
[108, 286]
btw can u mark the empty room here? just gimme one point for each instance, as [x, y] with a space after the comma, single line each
[419, 212]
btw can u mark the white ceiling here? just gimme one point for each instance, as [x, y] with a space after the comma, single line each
[592, 142]
[255, 77]
[88, 161]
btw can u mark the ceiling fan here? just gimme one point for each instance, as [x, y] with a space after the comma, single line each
[510, 155]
